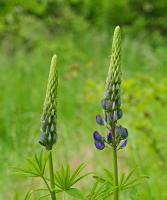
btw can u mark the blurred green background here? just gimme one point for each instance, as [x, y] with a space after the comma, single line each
[80, 33]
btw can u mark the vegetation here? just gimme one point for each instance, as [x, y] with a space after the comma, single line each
[80, 35]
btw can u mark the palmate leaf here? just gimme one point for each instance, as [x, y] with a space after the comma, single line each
[76, 193]
[26, 197]
[34, 166]
[107, 177]
[127, 182]
[100, 191]
[43, 196]
[29, 193]
[74, 176]
[65, 178]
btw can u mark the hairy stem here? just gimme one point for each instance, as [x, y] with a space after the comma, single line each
[52, 185]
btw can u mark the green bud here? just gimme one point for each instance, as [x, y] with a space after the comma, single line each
[113, 80]
[49, 110]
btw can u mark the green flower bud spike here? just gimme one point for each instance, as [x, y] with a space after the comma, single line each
[48, 130]
[113, 81]
[113, 95]
[48, 135]
[113, 85]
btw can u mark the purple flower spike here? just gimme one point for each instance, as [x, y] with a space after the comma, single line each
[109, 137]
[123, 144]
[124, 133]
[97, 136]
[99, 120]
[99, 145]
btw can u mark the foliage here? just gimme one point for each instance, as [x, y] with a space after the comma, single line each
[48, 17]
[65, 179]
[26, 38]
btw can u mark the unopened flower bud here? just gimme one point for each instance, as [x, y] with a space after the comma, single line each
[124, 134]
[123, 144]
[119, 113]
[109, 118]
[43, 139]
[109, 137]
[106, 104]
[97, 136]
[99, 120]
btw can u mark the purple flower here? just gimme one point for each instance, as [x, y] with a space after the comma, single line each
[123, 144]
[97, 136]
[109, 137]
[99, 120]
[106, 104]
[99, 145]
[124, 133]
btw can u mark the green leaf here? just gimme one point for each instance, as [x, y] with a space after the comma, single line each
[77, 194]
[34, 166]
[129, 175]
[121, 180]
[67, 175]
[16, 196]
[109, 174]
[104, 179]
[28, 195]
[46, 195]
[81, 177]
[65, 179]
[100, 191]
[77, 171]
[24, 172]
[135, 181]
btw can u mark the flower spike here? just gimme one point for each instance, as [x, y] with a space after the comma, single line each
[48, 120]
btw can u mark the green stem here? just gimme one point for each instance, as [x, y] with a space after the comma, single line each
[43, 178]
[52, 185]
[115, 163]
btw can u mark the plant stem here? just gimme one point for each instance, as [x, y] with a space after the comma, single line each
[52, 185]
[43, 178]
[115, 174]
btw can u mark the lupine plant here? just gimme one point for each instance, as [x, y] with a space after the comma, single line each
[117, 136]
[63, 180]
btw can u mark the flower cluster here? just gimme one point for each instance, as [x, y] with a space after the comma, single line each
[48, 134]
[111, 103]
[119, 141]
